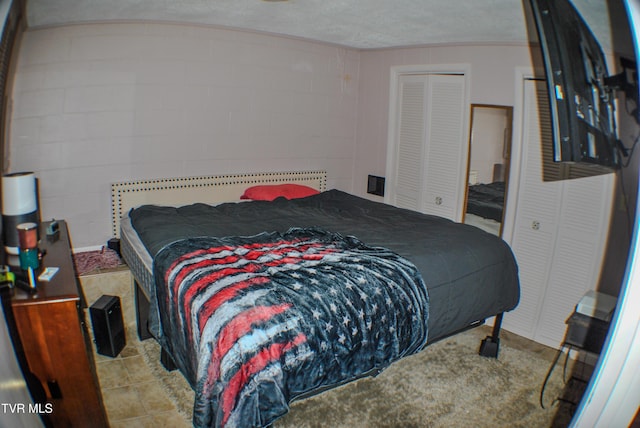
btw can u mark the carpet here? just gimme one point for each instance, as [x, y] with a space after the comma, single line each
[446, 385]
[95, 261]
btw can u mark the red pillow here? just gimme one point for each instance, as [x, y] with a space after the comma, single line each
[268, 192]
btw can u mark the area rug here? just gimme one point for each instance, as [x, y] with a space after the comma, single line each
[87, 262]
[446, 385]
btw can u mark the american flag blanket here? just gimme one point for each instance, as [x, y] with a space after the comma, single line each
[254, 322]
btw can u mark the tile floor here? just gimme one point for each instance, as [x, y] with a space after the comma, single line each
[132, 396]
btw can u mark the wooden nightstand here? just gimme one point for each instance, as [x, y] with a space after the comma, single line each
[57, 348]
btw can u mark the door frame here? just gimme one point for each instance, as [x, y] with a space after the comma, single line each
[515, 165]
[463, 70]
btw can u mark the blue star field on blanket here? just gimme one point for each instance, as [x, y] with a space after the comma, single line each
[254, 322]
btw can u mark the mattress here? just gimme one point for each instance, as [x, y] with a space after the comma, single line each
[137, 257]
[470, 274]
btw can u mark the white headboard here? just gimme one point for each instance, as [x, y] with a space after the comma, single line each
[209, 190]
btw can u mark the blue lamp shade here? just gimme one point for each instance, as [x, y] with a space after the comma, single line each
[19, 205]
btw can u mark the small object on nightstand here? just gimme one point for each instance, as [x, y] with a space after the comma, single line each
[53, 231]
[7, 278]
[48, 273]
[53, 228]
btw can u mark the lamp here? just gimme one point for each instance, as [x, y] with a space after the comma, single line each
[19, 205]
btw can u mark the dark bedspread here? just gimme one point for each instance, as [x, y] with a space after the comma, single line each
[254, 322]
[486, 200]
[470, 274]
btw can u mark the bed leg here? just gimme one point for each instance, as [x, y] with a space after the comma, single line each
[167, 360]
[142, 313]
[491, 344]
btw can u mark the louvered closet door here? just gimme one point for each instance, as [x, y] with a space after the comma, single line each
[430, 148]
[410, 153]
[578, 253]
[447, 151]
[559, 233]
[538, 208]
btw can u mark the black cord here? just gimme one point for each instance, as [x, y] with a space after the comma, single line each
[629, 154]
[546, 379]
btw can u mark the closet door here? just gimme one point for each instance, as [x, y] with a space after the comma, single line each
[559, 233]
[538, 206]
[429, 150]
[408, 175]
[447, 149]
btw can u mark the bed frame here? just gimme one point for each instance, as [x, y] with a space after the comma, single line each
[214, 190]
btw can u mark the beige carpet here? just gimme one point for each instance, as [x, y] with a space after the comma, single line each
[446, 385]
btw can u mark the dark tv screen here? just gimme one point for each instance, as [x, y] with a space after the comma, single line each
[582, 106]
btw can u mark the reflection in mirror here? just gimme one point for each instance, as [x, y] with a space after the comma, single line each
[490, 150]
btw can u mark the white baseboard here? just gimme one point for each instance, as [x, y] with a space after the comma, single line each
[86, 249]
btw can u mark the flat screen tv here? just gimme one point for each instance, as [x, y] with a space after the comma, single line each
[582, 104]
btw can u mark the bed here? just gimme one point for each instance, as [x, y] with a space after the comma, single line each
[486, 200]
[341, 287]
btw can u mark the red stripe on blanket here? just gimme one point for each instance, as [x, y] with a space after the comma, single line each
[303, 257]
[195, 289]
[197, 286]
[186, 270]
[206, 280]
[252, 367]
[254, 252]
[211, 305]
[242, 324]
[215, 250]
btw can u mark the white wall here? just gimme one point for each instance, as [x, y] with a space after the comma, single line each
[487, 141]
[102, 103]
[96, 104]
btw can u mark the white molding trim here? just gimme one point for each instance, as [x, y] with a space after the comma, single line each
[87, 249]
[515, 163]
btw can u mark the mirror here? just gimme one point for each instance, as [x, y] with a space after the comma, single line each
[488, 170]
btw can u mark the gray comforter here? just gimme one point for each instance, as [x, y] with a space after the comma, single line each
[470, 274]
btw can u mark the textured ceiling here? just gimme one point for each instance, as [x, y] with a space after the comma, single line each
[353, 23]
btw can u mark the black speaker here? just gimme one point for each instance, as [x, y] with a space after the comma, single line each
[108, 326]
